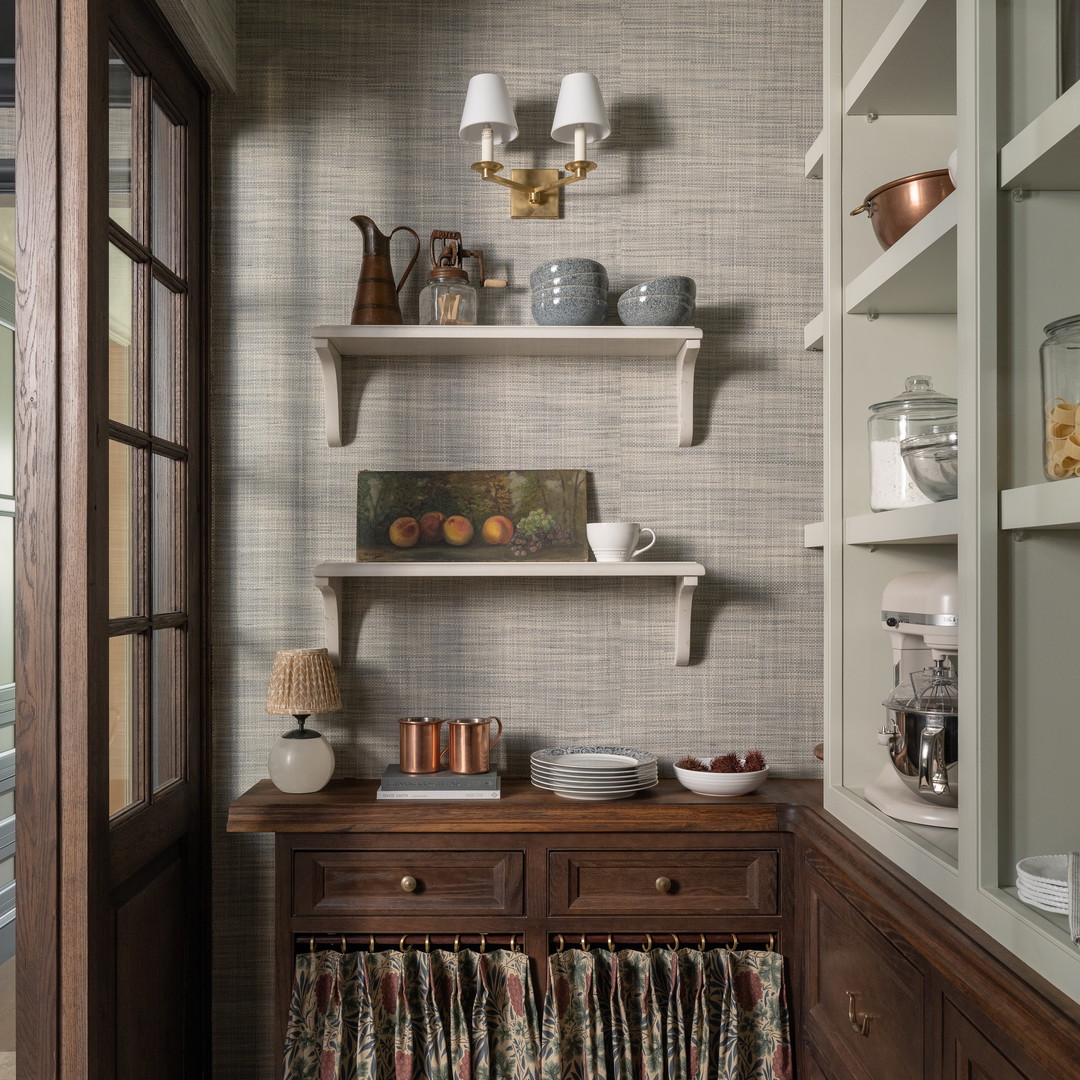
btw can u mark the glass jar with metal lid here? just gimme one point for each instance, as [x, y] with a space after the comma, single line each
[1059, 358]
[919, 410]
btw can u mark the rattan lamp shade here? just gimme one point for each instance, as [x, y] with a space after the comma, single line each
[302, 682]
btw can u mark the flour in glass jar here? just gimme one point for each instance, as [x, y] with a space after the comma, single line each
[891, 487]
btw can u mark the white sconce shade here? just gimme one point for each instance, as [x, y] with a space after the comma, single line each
[580, 105]
[487, 105]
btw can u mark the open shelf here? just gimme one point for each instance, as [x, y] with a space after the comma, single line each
[814, 333]
[911, 69]
[678, 344]
[935, 523]
[1046, 154]
[814, 535]
[329, 577]
[815, 158]
[1052, 505]
[917, 275]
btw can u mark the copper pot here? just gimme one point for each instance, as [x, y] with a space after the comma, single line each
[894, 207]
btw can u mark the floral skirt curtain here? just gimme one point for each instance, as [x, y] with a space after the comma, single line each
[627, 1015]
[412, 1016]
[666, 1015]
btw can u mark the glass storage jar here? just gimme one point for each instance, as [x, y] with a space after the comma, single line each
[448, 299]
[919, 410]
[1059, 359]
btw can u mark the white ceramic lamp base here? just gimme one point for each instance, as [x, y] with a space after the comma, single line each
[301, 761]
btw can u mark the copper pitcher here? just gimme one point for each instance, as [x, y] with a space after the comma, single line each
[376, 301]
[470, 744]
[419, 738]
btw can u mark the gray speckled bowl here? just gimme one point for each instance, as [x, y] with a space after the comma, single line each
[558, 267]
[569, 311]
[597, 280]
[682, 286]
[660, 309]
[587, 292]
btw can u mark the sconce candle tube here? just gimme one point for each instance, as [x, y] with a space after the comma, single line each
[487, 145]
[579, 143]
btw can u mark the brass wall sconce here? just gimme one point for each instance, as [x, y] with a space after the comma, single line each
[488, 119]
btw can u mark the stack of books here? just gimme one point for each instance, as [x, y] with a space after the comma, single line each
[441, 785]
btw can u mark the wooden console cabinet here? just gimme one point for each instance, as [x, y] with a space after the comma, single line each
[885, 982]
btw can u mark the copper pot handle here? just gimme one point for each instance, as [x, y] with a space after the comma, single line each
[864, 208]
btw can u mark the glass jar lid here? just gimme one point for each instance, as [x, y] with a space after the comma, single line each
[1058, 324]
[918, 398]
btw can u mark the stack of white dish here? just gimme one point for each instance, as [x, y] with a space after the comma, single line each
[1042, 881]
[593, 772]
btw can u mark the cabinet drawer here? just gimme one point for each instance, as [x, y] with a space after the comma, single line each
[374, 882]
[864, 998]
[663, 883]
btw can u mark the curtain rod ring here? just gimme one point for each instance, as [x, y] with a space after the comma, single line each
[562, 943]
[702, 942]
[344, 945]
[513, 942]
[584, 944]
[675, 938]
[734, 943]
[483, 942]
[371, 943]
[402, 947]
[457, 942]
[609, 947]
[311, 944]
[648, 942]
[427, 943]
[772, 942]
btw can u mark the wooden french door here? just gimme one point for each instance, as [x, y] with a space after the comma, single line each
[110, 554]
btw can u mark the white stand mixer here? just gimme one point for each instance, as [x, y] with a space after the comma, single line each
[920, 615]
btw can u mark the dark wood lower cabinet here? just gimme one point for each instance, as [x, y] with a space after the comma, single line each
[886, 982]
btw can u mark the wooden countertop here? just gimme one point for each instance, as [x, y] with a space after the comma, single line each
[350, 806]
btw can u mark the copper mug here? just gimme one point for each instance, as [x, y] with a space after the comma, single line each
[419, 741]
[470, 744]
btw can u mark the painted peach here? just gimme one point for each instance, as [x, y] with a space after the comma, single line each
[497, 530]
[405, 532]
[457, 530]
[431, 525]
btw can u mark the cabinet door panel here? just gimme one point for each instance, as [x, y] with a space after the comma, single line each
[864, 999]
[407, 882]
[969, 1054]
[663, 882]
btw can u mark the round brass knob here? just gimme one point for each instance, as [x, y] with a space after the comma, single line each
[663, 884]
[408, 884]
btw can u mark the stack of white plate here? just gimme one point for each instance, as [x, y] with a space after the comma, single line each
[1042, 881]
[593, 772]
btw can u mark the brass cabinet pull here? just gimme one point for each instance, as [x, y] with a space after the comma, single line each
[860, 1027]
[663, 884]
[408, 884]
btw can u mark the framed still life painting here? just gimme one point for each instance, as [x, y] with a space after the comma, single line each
[473, 516]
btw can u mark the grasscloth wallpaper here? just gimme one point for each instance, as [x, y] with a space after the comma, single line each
[347, 107]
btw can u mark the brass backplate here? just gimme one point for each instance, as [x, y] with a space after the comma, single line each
[546, 205]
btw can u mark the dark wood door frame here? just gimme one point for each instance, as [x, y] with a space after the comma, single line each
[69, 874]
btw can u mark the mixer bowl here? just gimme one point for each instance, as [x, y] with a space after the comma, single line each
[917, 733]
[931, 463]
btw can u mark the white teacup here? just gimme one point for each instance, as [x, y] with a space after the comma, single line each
[616, 541]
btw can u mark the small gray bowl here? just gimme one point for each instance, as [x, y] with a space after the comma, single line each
[559, 267]
[569, 311]
[661, 309]
[588, 292]
[682, 286]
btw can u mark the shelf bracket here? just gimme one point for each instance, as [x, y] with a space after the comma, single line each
[330, 587]
[330, 361]
[684, 599]
[684, 381]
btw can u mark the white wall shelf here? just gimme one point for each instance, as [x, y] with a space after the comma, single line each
[814, 333]
[815, 159]
[935, 523]
[1046, 154]
[329, 577]
[814, 535]
[1052, 505]
[917, 275]
[676, 344]
[911, 68]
